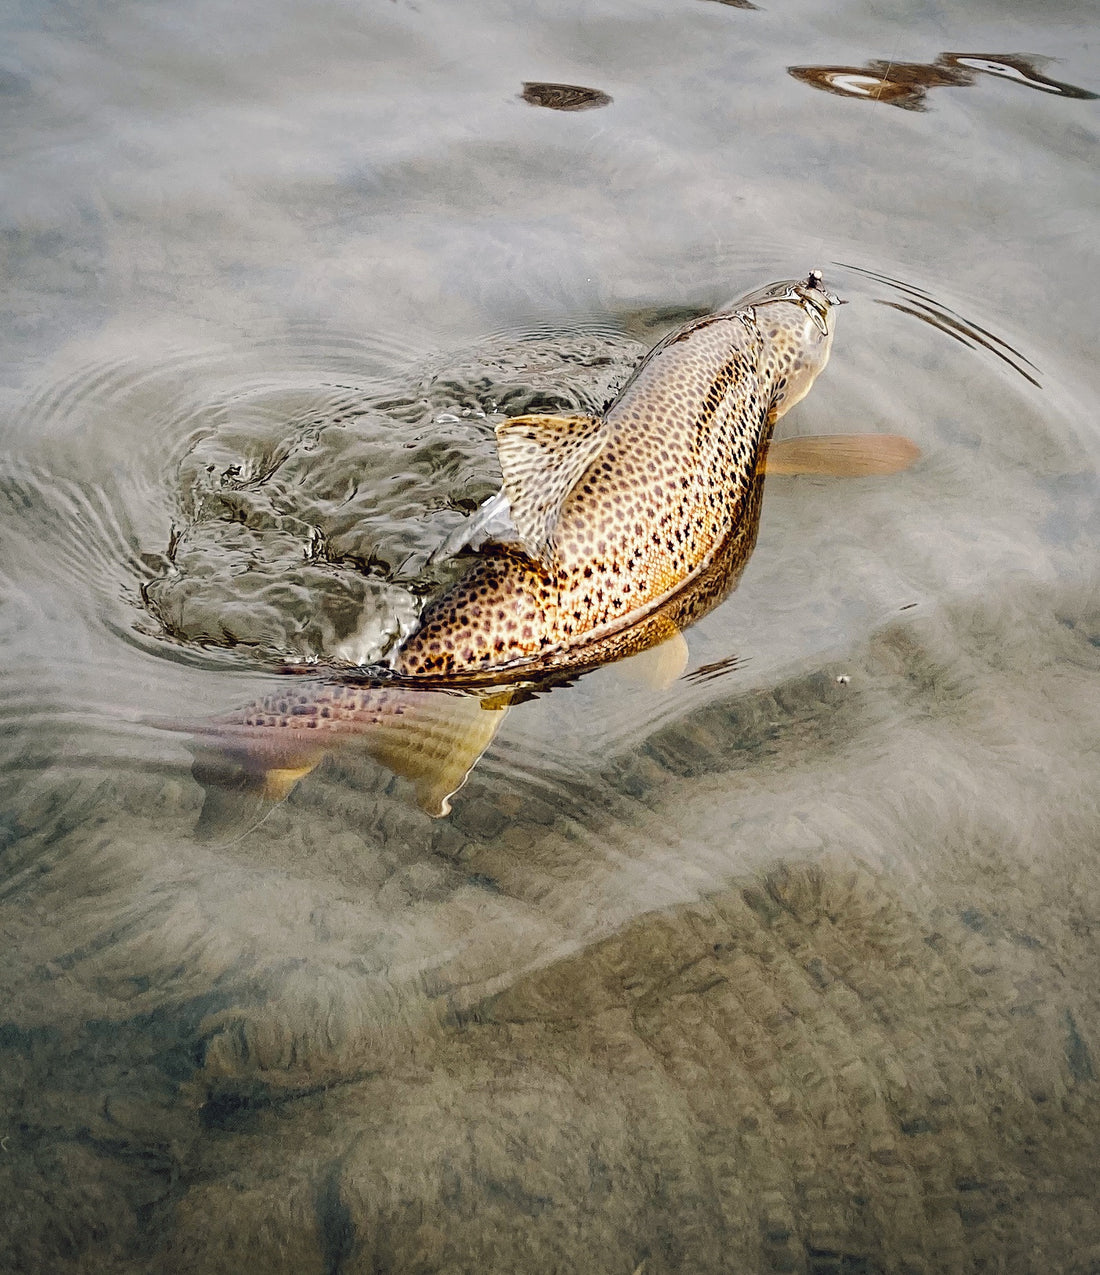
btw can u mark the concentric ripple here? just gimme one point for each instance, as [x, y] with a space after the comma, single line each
[307, 515]
[280, 502]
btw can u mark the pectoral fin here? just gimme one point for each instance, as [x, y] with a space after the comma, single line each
[542, 458]
[842, 455]
[492, 521]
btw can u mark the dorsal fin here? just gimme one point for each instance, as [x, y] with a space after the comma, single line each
[542, 458]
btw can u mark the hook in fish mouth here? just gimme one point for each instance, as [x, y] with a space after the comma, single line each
[815, 299]
[815, 282]
[810, 293]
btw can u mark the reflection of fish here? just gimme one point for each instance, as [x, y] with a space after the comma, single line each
[609, 535]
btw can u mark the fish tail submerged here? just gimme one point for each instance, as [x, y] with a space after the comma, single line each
[249, 762]
[436, 741]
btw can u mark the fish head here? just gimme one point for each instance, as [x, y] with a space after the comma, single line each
[795, 318]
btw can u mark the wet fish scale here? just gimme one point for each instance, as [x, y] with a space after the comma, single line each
[682, 445]
[629, 528]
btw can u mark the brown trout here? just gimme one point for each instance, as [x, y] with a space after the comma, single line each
[610, 535]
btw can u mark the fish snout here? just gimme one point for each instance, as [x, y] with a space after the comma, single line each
[814, 283]
[795, 321]
[808, 294]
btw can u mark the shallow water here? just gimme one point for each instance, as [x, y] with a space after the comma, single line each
[792, 966]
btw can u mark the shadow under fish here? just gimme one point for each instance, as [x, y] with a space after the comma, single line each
[609, 537]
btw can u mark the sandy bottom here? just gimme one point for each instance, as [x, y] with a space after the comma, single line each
[822, 1005]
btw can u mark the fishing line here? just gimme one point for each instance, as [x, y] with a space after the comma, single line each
[876, 100]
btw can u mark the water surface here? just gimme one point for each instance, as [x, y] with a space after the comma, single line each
[791, 966]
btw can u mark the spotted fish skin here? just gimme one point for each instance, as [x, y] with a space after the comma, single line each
[677, 476]
[629, 528]
[432, 738]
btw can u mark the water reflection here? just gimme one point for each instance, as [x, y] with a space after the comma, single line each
[714, 669]
[772, 971]
[563, 97]
[906, 84]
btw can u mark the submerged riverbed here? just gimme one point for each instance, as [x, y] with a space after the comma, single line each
[791, 966]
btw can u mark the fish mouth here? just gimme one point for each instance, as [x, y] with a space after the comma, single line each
[813, 297]
[810, 293]
[815, 282]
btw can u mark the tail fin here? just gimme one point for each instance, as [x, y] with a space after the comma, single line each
[435, 743]
[238, 794]
[250, 760]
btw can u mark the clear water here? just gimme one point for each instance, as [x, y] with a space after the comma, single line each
[791, 967]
